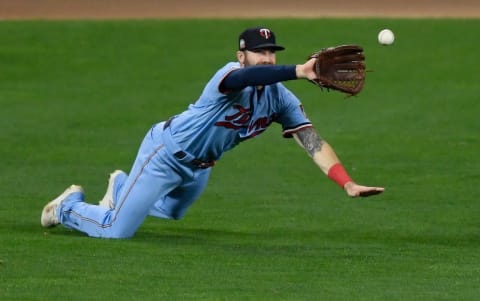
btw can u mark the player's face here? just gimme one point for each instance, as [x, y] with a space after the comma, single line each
[257, 57]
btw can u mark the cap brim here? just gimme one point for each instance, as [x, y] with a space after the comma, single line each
[267, 46]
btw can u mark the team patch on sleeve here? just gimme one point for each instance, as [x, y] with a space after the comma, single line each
[287, 133]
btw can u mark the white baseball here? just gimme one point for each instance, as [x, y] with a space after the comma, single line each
[386, 37]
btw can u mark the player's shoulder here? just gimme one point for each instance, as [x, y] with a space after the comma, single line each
[225, 70]
[230, 66]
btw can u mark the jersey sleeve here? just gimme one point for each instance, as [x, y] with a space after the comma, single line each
[292, 117]
[213, 89]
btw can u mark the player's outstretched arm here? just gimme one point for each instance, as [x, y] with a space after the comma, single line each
[261, 75]
[324, 156]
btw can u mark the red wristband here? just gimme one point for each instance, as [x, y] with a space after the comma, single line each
[338, 174]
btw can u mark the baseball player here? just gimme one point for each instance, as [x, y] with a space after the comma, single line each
[176, 157]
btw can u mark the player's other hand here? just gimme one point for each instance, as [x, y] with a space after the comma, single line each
[354, 190]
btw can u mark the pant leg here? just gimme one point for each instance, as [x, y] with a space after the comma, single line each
[118, 185]
[175, 204]
[153, 176]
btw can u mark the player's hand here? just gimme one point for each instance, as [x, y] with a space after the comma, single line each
[306, 70]
[354, 190]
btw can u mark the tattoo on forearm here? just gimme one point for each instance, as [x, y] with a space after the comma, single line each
[310, 140]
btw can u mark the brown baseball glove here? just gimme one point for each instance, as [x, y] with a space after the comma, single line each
[340, 68]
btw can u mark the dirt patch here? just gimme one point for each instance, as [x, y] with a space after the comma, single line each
[129, 9]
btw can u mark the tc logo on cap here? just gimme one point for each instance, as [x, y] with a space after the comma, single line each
[264, 32]
[256, 38]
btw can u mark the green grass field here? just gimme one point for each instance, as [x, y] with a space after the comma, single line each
[77, 97]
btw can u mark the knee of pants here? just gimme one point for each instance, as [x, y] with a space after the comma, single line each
[120, 234]
[178, 212]
[177, 215]
[165, 209]
[119, 231]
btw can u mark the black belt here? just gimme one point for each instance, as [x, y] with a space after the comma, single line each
[196, 162]
[181, 154]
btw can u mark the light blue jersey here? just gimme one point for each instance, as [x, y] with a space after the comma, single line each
[217, 122]
[172, 167]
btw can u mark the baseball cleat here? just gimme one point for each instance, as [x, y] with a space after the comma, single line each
[107, 200]
[49, 214]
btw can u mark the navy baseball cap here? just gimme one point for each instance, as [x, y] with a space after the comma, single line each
[258, 38]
